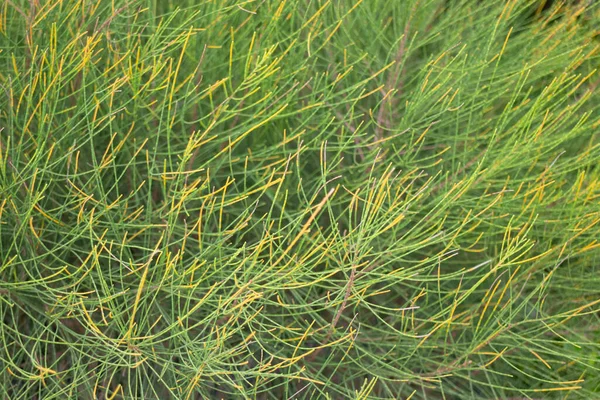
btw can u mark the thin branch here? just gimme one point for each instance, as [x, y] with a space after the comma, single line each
[17, 9]
[397, 76]
[337, 316]
[113, 16]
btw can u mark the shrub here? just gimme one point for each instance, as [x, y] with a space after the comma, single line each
[299, 199]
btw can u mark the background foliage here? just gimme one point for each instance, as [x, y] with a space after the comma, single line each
[299, 199]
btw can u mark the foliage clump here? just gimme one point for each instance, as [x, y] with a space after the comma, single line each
[299, 199]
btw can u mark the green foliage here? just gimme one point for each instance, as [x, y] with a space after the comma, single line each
[273, 199]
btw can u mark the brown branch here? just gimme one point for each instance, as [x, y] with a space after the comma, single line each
[17, 9]
[444, 370]
[381, 120]
[444, 183]
[592, 87]
[199, 77]
[113, 16]
[366, 270]
[346, 296]
[347, 124]
[395, 78]
[337, 316]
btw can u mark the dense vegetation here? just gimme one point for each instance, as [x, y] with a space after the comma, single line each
[273, 199]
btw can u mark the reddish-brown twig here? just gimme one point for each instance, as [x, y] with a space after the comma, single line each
[395, 78]
[337, 315]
